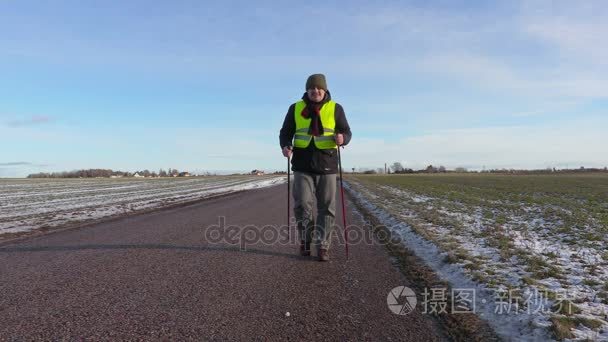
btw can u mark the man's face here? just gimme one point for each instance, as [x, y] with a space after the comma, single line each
[315, 94]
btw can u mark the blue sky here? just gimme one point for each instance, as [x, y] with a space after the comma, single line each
[203, 86]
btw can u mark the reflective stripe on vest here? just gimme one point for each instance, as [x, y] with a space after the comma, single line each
[328, 121]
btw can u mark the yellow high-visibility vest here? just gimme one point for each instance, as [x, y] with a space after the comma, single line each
[324, 142]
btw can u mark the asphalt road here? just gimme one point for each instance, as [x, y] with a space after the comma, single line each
[163, 276]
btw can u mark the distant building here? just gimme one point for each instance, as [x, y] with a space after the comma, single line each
[137, 175]
[183, 174]
[257, 172]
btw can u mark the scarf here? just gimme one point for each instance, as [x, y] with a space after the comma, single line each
[313, 111]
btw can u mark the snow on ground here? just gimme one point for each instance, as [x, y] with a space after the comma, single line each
[30, 204]
[522, 256]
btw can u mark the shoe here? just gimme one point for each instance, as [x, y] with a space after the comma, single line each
[323, 255]
[304, 249]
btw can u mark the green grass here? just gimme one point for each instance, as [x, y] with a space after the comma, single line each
[508, 219]
[566, 307]
[575, 206]
[591, 282]
[575, 199]
[562, 326]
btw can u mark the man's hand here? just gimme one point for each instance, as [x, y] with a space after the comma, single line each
[339, 139]
[287, 151]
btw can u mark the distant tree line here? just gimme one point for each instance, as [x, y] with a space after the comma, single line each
[582, 169]
[398, 168]
[107, 173]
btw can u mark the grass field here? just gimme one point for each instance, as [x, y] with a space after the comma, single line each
[516, 233]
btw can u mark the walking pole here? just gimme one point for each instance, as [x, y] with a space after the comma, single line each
[343, 207]
[288, 198]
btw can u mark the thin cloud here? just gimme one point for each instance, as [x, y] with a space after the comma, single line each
[21, 163]
[577, 30]
[15, 164]
[34, 120]
[230, 156]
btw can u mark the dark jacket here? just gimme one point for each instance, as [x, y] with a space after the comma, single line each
[312, 159]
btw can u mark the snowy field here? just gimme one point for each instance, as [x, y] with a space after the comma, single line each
[29, 204]
[533, 247]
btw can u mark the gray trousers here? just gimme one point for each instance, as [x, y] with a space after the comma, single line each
[306, 188]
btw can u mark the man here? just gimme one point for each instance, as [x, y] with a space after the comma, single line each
[317, 126]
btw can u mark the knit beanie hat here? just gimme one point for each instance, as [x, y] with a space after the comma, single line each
[316, 80]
